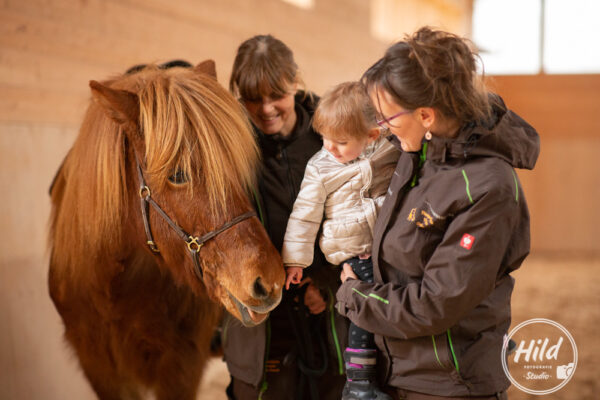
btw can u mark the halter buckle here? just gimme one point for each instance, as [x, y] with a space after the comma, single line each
[193, 241]
[144, 189]
[152, 246]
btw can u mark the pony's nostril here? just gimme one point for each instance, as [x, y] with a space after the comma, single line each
[259, 290]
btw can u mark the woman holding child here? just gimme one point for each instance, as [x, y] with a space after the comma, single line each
[453, 226]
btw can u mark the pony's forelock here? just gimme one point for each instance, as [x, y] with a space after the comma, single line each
[189, 122]
[202, 131]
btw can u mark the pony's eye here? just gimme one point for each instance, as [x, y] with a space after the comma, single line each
[179, 177]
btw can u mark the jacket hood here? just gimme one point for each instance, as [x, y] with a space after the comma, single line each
[505, 135]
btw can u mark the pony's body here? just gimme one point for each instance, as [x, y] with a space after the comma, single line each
[141, 321]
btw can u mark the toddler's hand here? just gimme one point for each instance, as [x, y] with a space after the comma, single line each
[294, 275]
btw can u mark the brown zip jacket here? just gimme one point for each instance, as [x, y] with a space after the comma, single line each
[453, 226]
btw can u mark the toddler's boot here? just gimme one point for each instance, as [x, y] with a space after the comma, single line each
[361, 376]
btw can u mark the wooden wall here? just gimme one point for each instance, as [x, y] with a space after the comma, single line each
[563, 190]
[50, 49]
[392, 19]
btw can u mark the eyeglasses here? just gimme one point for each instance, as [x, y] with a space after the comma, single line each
[385, 123]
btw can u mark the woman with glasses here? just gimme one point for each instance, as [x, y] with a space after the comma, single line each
[453, 226]
[296, 353]
[343, 188]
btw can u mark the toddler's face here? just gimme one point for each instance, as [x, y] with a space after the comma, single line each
[344, 149]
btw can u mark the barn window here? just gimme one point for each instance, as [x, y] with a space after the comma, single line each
[537, 36]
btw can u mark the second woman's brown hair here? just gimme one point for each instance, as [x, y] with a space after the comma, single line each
[263, 65]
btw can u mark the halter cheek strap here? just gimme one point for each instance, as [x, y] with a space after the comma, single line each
[194, 243]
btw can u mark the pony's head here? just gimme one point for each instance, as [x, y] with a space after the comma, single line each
[197, 158]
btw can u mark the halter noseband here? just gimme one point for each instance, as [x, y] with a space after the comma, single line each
[194, 243]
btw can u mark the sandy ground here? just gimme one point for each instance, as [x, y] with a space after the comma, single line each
[564, 289]
[216, 379]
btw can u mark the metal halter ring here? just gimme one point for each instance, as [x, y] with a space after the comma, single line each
[152, 246]
[145, 189]
[193, 241]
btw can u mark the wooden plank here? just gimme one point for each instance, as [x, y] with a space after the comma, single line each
[563, 193]
[556, 105]
[25, 68]
[117, 37]
[60, 48]
[39, 106]
[83, 34]
[391, 20]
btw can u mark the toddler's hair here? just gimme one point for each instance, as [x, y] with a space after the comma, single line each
[345, 110]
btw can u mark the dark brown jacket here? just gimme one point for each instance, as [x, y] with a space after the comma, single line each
[443, 249]
[283, 162]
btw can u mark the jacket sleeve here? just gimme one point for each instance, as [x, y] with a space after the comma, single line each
[455, 279]
[305, 220]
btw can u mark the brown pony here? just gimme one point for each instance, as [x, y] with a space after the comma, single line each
[139, 287]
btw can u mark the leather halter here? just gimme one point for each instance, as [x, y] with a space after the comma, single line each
[194, 243]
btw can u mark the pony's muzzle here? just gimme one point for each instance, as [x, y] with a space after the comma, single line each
[259, 292]
[263, 297]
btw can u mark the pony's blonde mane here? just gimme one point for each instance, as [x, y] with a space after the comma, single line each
[189, 123]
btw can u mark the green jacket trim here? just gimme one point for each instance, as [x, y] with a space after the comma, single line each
[422, 159]
[467, 186]
[359, 292]
[435, 351]
[452, 350]
[516, 186]
[334, 333]
[373, 295]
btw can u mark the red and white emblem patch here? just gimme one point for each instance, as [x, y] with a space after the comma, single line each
[467, 241]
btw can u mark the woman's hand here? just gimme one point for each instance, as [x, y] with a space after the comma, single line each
[313, 299]
[347, 273]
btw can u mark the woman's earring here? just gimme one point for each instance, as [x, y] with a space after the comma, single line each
[428, 135]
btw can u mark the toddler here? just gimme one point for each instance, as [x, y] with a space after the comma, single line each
[344, 185]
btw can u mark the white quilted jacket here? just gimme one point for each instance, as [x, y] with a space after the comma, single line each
[346, 198]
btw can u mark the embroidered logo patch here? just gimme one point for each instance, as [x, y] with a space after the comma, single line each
[467, 241]
[427, 219]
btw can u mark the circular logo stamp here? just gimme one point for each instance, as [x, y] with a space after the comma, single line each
[539, 356]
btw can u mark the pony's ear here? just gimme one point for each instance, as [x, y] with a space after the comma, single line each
[122, 106]
[207, 67]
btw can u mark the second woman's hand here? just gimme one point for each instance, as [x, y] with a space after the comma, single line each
[347, 273]
[313, 299]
